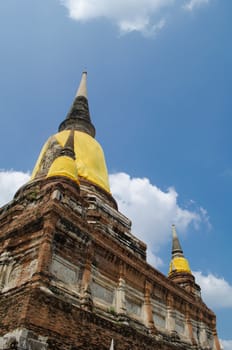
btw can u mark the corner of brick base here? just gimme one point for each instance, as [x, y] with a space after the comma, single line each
[22, 339]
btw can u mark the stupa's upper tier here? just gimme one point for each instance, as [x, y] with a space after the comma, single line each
[78, 118]
[89, 156]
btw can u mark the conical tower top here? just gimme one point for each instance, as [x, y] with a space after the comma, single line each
[82, 89]
[75, 139]
[178, 262]
[78, 117]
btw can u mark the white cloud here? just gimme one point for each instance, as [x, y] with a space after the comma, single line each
[145, 16]
[152, 211]
[10, 181]
[192, 4]
[143, 26]
[226, 344]
[216, 291]
[129, 15]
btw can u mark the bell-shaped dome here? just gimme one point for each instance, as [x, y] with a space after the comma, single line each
[88, 155]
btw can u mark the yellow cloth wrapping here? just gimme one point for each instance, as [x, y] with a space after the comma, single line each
[64, 166]
[90, 160]
[179, 264]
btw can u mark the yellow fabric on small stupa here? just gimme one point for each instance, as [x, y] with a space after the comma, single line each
[179, 264]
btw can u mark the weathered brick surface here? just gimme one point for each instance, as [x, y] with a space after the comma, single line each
[51, 226]
[13, 309]
[69, 327]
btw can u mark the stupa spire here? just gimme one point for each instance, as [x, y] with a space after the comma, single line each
[82, 89]
[78, 117]
[90, 160]
[178, 262]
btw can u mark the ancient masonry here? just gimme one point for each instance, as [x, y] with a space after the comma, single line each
[73, 276]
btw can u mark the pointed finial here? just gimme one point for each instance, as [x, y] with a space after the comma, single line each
[174, 234]
[82, 89]
[112, 345]
[176, 247]
[78, 117]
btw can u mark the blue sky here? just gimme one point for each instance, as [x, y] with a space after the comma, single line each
[159, 85]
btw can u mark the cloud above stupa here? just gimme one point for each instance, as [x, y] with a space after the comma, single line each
[145, 16]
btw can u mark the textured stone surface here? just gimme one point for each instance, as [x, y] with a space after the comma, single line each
[74, 277]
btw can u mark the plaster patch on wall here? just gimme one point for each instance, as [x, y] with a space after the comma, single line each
[64, 270]
[133, 307]
[159, 313]
[159, 320]
[13, 277]
[104, 294]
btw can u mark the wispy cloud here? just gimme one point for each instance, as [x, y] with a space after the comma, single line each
[10, 182]
[216, 291]
[226, 344]
[192, 4]
[153, 211]
[145, 16]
